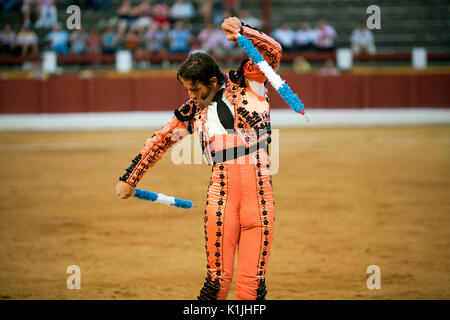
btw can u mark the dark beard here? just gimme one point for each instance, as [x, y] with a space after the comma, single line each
[207, 95]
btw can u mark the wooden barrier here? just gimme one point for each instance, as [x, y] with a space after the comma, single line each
[103, 94]
[109, 59]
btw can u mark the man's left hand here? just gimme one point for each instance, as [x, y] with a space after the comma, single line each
[232, 27]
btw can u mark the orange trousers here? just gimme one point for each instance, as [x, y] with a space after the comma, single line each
[239, 215]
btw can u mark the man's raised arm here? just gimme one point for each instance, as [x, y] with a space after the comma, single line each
[267, 46]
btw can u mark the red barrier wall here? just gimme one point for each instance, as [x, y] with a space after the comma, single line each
[102, 94]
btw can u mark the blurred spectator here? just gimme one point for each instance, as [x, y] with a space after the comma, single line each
[219, 18]
[304, 37]
[329, 69]
[7, 40]
[180, 38]
[83, 4]
[232, 6]
[48, 16]
[143, 14]
[27, 9]
[125, 9]
[285, 36]
[78, 42]
[362, 40]
[206, 10]
[229, 47]
[182, 10]
[131, 40]
[37, 73]
[325, 35]
[252, 21]
[27, 41]
[92, 4]
[125, 13]
[211, 39]
[100, 4]
[59, 39]
[161, 14]
[154, 39]
[7, 4]
[300, 65]
[109, 41]
[94, 41]
[143, 9]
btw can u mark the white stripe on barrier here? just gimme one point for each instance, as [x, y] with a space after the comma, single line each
[280, 118]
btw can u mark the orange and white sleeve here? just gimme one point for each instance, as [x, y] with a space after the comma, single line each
[177, 128]
[268, 47]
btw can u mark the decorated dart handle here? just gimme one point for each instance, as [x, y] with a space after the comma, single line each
[275, 80]
[162, 198]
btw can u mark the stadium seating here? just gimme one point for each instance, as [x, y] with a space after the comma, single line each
[404, 24]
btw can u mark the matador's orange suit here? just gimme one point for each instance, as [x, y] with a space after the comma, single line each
[240, 206]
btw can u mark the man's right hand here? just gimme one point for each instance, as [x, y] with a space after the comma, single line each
[124, 190]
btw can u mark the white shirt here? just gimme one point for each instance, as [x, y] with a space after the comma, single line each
[182, 11]
[325, 37]
[212, 123]
[363, 38]
[284, 36]
[304, 37]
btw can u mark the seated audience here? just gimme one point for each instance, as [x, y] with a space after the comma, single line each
[329, 69]
[180, 38]
[143, 14]
[48, 15]
[325, 35]
[94, 42]
[132, 40]
[362, 40]
[27, 41]
[59, 40]
[28, 7]
[154, 39]
[109, 41]
[78, 41]
[220, 17]
[231, 5]
[250, 20]
[7, 4]
[210, 38]
[7, 40]
[125, 13]
[206, 10]
[285, 36]
[161, 14]
[300, 65]
[92, 4]
[304, 37]
[182, 10]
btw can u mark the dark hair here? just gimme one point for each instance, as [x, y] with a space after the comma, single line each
[201, 67]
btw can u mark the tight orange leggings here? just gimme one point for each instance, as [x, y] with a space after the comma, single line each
[239, 214]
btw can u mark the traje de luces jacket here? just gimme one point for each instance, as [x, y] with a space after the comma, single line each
[251, 113]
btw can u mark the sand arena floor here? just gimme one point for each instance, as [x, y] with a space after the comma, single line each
[346, 198]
